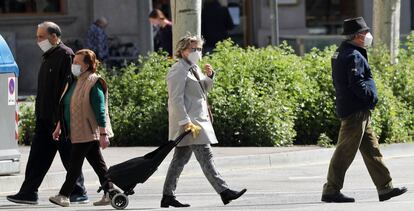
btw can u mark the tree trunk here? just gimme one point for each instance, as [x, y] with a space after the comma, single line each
[186, 17]
[386, 25]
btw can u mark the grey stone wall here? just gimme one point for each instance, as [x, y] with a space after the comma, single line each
[292, 20]
[127, 20]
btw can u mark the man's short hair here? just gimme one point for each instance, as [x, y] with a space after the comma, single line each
[101, 21]
[52, 28]
[351, 37]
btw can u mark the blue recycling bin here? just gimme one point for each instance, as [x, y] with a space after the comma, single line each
[9, 72]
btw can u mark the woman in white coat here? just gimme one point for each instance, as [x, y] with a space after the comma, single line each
[187, 106]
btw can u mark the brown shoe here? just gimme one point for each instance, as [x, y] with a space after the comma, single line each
[105, 200]
[60, 200]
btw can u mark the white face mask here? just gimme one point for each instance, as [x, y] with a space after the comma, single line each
[194, 57]
[76, 70]
[368, 40]
[45, 45]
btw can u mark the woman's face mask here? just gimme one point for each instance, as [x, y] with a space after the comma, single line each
[195, 55]
[78, 66]
[76, 70]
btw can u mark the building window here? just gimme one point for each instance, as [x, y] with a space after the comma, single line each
[326, 16]
[19, 7]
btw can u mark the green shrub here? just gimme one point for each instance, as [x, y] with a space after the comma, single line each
[324, 141]
[26, 122]
[393, 117]
[317, 114]
[138, 102]
[251, 97]
[261, 97]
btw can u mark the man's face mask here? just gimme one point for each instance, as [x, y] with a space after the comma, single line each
[368, 40]
[45, 45]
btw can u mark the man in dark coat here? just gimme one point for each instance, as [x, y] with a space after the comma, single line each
[356, 96]
[55, 72]
[215, 23]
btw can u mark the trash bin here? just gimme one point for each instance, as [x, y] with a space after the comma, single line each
[9, 152]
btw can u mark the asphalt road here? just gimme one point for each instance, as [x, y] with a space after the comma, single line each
[284, 188]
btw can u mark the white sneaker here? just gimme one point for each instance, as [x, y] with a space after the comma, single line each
[60, 200]
[105, 200]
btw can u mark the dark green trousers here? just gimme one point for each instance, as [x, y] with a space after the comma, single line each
[356, 133]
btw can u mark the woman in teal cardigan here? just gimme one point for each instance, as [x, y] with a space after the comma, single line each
[85, 123]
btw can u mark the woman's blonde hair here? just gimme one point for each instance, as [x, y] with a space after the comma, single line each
[89, 59]
[185, 42]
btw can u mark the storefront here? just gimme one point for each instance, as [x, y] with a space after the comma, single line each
[19, 20]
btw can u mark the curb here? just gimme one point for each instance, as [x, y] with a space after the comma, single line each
[53, 180]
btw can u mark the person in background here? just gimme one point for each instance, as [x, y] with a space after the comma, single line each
[187, 106]
[356, 96]
[85, 122]
[164, 6]
[97, 39]
[163, 38]
[55, 72]
[215, 23]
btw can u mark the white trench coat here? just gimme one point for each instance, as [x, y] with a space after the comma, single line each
[186, 103]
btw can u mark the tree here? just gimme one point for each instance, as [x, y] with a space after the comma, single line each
[386, 25]
[186, 17]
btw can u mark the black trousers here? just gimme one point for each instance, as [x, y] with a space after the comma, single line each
[42, 153]
[80, 151]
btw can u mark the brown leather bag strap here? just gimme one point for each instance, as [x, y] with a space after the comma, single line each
[194, 72]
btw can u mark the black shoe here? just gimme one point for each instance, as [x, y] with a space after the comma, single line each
[168, 201]
[22, 198]
[337, 198]
[228, 195]
[393, 193]
[79, 199]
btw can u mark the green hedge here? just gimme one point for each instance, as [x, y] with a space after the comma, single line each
[262, 97]
[138, 102]
[26, 121]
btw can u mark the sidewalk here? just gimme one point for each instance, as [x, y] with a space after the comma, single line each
[226, 159]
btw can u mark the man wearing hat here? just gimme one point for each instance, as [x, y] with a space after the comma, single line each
[356, 96]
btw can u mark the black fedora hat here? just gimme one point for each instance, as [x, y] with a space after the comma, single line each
[354, 25]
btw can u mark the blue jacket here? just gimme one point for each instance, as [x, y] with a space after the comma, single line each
[352, 78]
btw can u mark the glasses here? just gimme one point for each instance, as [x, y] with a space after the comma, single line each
[196, 49]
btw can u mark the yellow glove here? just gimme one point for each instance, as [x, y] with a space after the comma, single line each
[195, 130]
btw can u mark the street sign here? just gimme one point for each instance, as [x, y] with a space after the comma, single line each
[11, 92]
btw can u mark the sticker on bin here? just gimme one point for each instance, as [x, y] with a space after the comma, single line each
[11, 92]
